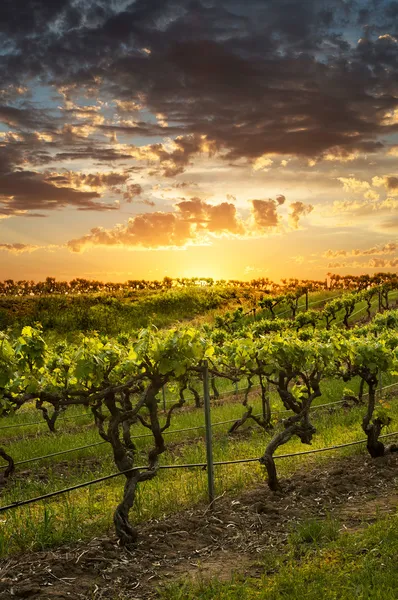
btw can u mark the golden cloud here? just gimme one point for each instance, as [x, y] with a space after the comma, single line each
[193, 222]
[298, 210]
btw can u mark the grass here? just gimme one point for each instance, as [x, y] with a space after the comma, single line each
[341, 566]
[88, 512]
[118, 312]
[112, 313]
[314, 531]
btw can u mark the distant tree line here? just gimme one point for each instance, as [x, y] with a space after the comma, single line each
[50, 285]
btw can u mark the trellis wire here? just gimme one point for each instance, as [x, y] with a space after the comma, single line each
[171, 431]
[27, 424]
[19, 503]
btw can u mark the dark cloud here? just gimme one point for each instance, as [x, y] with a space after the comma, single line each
[22, 191]
[34, 17]
[133, 190]
[141, 129]
[392, 183]
[94, 180]
[265, 214]
[25, 118]
[266, 76]
[173, 162]
[242, 80]
[95, 153]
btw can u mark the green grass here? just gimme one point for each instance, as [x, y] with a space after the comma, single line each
[313, 531]
[112, 313]
[87, 512]
[342, 567]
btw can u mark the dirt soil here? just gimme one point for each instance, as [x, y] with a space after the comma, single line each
[200, 542]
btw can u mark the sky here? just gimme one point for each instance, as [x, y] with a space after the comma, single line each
[217, 138]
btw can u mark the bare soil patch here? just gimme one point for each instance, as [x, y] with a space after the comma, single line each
[200, 542]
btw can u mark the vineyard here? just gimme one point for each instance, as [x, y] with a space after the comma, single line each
[101, 430]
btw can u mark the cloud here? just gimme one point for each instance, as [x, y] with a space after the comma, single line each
[262, 162]
[219, 218]
[98, 181]
[345, 265]
[151, 230]
[380, 249]
[373, 263]
[19, 248]
[265, 214]
[133, 190]
[175, 156]
[381, 263]
[22, 191]
[298, 210]
[156, 88]
[356, 186]
[95, 152]
[27, 117]
[193, 222]
[389, 182]
[391, 223]
[297, 66]
[364, 208]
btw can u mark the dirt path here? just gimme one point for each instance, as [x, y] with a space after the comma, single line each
[198, 541]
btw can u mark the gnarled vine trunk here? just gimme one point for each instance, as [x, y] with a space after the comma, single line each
[125, 531]
[372, 427]
[303, 429]
[49, 419]
[122, 414]
[298, 424]
[196, 396]
[360, 394]
[9, 470]
[214, 388]
[264, 421]
[265, 404]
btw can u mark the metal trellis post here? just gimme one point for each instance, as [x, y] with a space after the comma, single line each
[209, 446]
